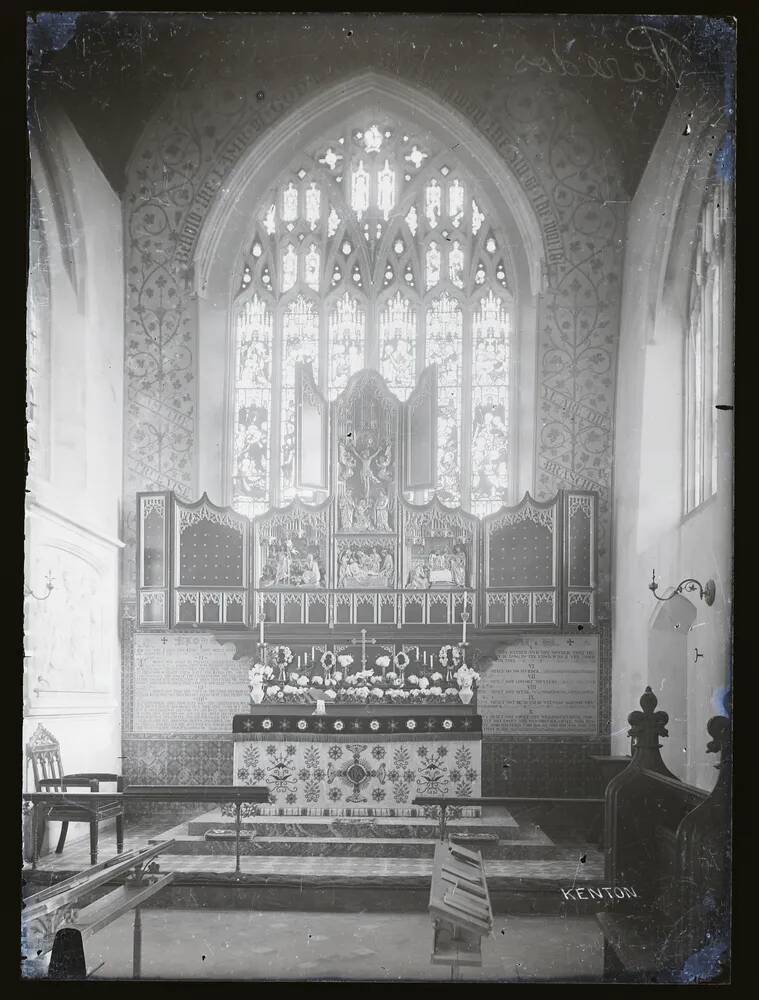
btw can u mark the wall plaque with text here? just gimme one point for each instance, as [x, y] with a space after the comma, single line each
[541, 684]
[186, 684]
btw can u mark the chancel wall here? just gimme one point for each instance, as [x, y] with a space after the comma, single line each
[549, 144]
[73, 524]
[651, 528]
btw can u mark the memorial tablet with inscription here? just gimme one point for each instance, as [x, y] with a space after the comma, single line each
[541, 684]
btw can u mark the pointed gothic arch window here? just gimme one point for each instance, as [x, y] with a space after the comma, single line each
[708, 299]
[375, 248]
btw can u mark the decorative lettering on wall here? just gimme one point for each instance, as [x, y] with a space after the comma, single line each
[541, 684]
[186, 684]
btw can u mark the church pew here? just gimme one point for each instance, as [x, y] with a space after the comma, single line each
[669, 841]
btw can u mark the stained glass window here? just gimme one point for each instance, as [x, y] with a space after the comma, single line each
[708, 302]
[490, 416]
[312, 267]
[300, 344]
[253, 357]
[289, 268]
[313, 203]
[376, 243]
[444, 348]
[397, 337]
[346, 333]
[432, 271]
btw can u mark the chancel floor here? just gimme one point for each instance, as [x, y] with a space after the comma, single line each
[336, 898]
[224, 944]
[519, 856]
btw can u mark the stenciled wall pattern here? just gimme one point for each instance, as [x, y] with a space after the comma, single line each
[546, 135]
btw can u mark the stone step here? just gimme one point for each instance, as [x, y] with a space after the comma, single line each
[502, 827]
[364, 847]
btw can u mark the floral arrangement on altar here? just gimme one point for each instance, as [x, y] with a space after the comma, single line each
[373, 685]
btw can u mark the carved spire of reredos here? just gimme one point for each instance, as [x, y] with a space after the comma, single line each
[645, 729]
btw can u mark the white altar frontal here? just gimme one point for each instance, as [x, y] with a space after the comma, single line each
[358, 760]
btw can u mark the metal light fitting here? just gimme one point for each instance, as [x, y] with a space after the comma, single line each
[707, 593]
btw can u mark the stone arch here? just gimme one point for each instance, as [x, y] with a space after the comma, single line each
[269, 152]
[225, 228]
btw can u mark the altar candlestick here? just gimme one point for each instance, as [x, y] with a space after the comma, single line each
[299, 663]
[313, 652]
[261, 630]
[425, 657]
[463, 631]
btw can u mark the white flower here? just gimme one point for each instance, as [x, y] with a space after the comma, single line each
[318, 681]
[337, 675]
[266, 724]
[383, 661]
[404, 694]
[447, 724]
[410, 724]
[374, 725]
[302, 724]
[378, 692]
[330, 694]
[303, 682]
[345, 660]
[451, 691]
[436, 691]
[337, 726]
[413, 679]
[436, 677]
[362, 692]
[294, 676]
[423, 683]
[391, 674]
[280, 694]
[271, 690]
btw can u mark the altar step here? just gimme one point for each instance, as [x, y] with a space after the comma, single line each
[502, 826]
[364, 847]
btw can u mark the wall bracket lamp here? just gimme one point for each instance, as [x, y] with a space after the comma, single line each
[707, 593]
[50, 587]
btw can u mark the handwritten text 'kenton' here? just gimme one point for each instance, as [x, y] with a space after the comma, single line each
[612, 892]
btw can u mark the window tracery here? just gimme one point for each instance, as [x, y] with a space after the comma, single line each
[376, 247]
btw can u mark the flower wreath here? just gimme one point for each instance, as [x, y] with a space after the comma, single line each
[447, 652]
[401, 660]
[283, 655]
[328, 660]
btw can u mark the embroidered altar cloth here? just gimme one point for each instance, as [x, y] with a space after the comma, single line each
[358, 764]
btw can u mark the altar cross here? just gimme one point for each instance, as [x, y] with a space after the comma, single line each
[363, 640]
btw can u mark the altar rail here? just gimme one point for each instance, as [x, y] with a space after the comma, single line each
[670, 842]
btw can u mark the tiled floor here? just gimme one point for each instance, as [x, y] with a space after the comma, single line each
[76, 856]
[224, 944]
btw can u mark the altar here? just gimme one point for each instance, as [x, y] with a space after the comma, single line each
[358, 760]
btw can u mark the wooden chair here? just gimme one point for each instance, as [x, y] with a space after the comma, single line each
[44, 753]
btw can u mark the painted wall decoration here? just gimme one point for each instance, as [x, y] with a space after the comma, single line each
[550, 141]
[67, 629]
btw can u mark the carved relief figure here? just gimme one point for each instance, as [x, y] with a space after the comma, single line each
[365, 567]
[381, 507]
[292, 562]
